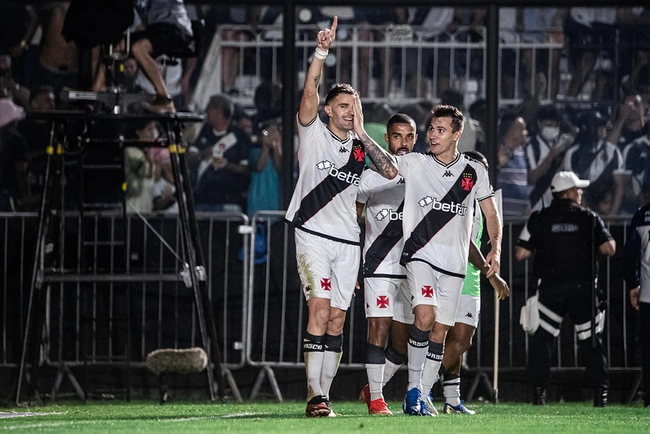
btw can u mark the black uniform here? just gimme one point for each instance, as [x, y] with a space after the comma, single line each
[566, 238]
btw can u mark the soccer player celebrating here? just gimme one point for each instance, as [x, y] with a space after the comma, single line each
[385, 291]
[323, 213]
[438, 209]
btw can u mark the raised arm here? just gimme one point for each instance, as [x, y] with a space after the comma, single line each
[493, 225]
[309, 102]
[383, 163]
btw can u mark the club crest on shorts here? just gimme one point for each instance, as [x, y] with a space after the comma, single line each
[383, 302]
[427, 291]
[325, 284]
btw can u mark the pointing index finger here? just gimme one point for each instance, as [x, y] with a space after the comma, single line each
[334, 24]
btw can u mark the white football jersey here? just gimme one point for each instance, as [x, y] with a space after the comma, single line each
[439, 209]
[384, 199]
[324, 200]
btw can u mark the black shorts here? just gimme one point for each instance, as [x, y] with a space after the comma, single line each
[165, 39]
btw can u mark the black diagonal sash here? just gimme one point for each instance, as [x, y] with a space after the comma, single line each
[383, 244]
[330, 187]
[435, 220]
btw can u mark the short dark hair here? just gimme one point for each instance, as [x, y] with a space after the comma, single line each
[400, 118]
[338, 89]
[223, 103]
[449, 111]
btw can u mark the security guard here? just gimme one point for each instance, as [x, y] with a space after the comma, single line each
[566, 238]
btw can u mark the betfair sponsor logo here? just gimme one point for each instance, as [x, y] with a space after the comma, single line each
[350, 178]
[454, 208]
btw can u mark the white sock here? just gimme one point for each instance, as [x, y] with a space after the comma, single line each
[331, 361]
[375, 380]
[313, 368]
[451, 390]
[430, 371]
[416, 356]
[389, 371]
[429, 375]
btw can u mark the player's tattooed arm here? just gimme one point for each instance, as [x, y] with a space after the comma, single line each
[383, 163]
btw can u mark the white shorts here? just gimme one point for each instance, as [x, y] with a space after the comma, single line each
[403, 312]
[469, 310]
[433, 288]
[387, 297]
[327, 268]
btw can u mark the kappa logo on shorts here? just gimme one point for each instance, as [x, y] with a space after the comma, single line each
[469, 315]
[427, 291]
[383, 302]
[325, 284]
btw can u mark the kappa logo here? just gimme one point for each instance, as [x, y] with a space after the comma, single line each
[342, 150]
[454, 208]
[469, 315]
[401, 180]
[350, 178]
[447, 174]
[383, 302]
[389, 214]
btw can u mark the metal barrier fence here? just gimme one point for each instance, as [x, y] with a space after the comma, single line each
[400, 64]
[117, 323]
[254, 286]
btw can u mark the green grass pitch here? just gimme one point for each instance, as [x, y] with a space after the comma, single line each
[272, 417]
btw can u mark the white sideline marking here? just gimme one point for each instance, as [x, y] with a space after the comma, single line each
[12, 414]
[108, 422]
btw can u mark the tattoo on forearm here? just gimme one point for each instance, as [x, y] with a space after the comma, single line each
[384, 163]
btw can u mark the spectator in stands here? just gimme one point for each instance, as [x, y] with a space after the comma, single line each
[8, 86]
[637, 162]
[540, 26]
[223, 173]
[596, 159]
[166, 27]
[14, 185]
[18, 23]
[590, 35]
[545, 154]
[630, 120]
[58, 61]
[512, 176]
[138, 168]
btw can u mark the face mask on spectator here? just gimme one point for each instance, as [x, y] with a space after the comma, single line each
[550, 133]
